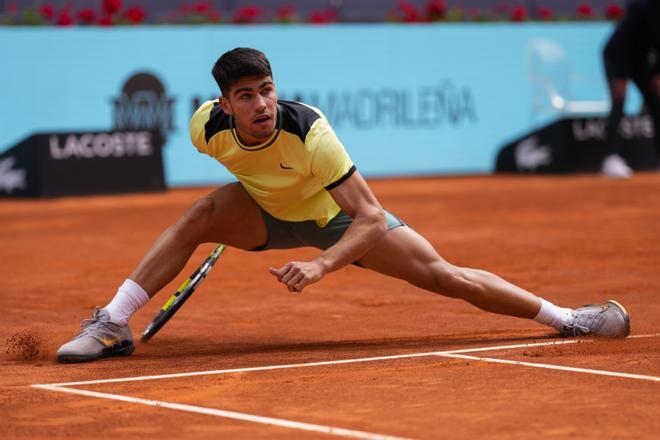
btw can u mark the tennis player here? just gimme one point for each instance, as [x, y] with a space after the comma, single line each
[297, 187]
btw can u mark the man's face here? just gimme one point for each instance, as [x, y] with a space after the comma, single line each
[252, 101]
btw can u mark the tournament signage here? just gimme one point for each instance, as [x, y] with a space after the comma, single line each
[445, 104]
[406, 100]
[143, 104]
[574, 145]
[82, 163]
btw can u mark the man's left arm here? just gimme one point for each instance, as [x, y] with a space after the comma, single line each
[355, 198]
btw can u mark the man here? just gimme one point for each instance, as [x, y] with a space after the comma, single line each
[298, 187]
[632, 52]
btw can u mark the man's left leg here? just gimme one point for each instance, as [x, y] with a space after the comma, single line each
[648, 84]
[614, 165]
[653, 103]
[406, 255]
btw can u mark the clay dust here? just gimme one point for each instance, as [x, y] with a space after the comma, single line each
[26, 345]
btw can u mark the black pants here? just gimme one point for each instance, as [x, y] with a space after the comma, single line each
[642, 76]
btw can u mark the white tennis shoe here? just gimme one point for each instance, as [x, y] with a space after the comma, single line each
[609, 319]
[98, 338]
[615, 167]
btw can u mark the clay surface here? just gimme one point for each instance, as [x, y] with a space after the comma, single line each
[573, 240]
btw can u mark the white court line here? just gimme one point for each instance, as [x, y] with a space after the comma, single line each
[651, 335]
[314, 364]
[554, 367]
[337, 362]
[341, 432]
[61, 387]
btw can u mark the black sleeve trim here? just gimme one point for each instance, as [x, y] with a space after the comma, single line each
[296, 118]
[217, 122]
[338, 182]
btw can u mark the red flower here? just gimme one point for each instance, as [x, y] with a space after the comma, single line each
[86, 16]
[12, 8]
[436, 10]
[134, 14]
[519, 13]
[406, 12]
[285, 12]
[106, 20]
[202, 7]
[64, 19]
[318, 17]
[47, 11]
[323, 17]
[247, 15]
[614, 11]
[214, 15]
[111, 6]
[545, 13]
[585, 11]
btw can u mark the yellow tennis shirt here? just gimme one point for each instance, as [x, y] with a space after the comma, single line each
[290, 174]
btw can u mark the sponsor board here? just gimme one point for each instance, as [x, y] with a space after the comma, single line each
[573, 145]
[83, 163]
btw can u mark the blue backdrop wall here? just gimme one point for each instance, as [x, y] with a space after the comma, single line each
[424, 99]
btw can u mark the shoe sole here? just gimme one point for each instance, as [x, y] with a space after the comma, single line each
[108, 352]
[626, 319]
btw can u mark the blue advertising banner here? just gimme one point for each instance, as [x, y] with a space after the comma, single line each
[405, 100]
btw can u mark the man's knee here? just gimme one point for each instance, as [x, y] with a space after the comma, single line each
[198, 218]
[451, 280]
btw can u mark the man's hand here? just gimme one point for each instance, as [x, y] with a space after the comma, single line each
[298, 274]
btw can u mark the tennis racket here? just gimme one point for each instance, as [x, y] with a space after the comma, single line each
[182, 294]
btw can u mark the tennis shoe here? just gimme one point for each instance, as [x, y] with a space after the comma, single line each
[98, 338]
[615, 167]
[609, 319]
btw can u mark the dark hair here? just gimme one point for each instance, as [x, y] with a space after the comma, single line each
[239, 63]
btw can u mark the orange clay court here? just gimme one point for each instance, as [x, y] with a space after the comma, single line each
[357, 355]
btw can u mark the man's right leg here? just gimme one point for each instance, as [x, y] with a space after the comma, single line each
[648, 84]
[652, 99]
[228, 215]
[614, 165]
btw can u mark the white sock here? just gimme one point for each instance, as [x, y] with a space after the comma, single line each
[553, 316]
[128, 300]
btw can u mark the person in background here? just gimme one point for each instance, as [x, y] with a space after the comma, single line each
[632, 53]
